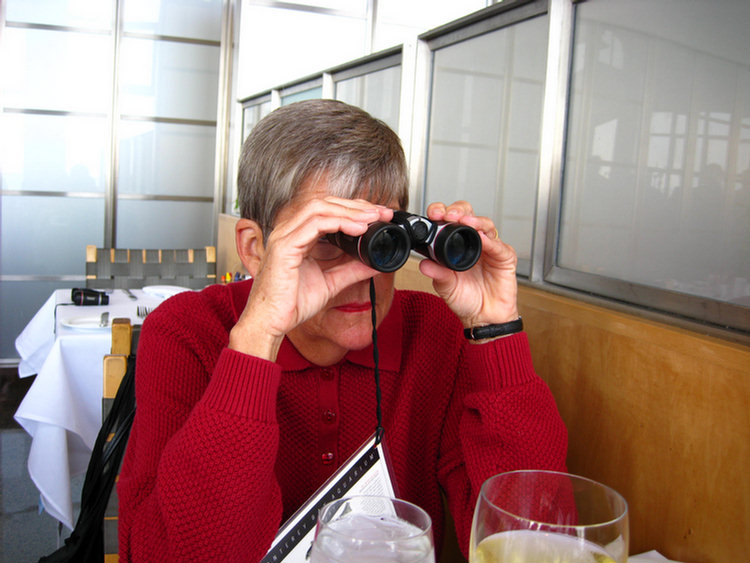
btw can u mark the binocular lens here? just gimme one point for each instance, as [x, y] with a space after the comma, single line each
[455, 249]
[458, 247]
[384, 247]
[384, 250]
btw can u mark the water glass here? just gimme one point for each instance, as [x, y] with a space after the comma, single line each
[548, 517]
[373, 529]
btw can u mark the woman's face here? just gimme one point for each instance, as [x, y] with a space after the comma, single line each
[345, 322]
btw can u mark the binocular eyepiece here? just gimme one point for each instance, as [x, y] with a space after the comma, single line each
[386, 246]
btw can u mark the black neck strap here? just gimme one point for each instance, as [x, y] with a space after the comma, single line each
[375, 357]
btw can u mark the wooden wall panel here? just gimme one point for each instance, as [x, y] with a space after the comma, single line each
[658, 413]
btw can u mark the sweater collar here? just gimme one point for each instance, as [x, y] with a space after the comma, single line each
[389, 339]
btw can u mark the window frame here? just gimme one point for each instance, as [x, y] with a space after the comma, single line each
[693, 312]
[485, 21]
[715, 316]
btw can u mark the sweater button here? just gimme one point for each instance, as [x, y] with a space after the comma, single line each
[328, 417]
[327, 458]
[326, 374]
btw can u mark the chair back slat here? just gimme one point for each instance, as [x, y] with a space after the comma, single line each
[124, 343]
[122, 268]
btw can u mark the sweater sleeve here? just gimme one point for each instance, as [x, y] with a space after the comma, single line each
[197, 482]
[502, 417]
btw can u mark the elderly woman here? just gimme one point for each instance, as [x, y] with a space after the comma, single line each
[251, 394]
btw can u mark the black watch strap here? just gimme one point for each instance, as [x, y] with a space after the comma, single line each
[493, 331]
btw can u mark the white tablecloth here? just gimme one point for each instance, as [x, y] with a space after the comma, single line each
[62, 409]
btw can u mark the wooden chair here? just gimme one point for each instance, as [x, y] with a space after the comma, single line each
[125, 268]
[124, 343]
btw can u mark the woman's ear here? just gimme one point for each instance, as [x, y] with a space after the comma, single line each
[249, 240]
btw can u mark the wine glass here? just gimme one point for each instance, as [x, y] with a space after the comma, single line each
[372, 529]
[545, 517]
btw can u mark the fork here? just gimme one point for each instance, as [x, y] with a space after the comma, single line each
[142, 311]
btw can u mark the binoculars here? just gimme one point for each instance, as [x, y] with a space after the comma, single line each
[386, 246]
[86, 296]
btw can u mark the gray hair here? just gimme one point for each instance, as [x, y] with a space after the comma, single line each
[361, 156]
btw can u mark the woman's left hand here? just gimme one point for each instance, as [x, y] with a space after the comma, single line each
[487, 292]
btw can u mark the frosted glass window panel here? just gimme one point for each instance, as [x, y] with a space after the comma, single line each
[169, 79]
[166, 159]
[517, 205]
[54, 153]
[196, 19]
[485, 123]
[34, 59]
[294, 39]
[48, 235]
[19, 302]
[94, 14]
[657, 177]
[377, 92]
[251, 115]
[141, 224]
[461, 172]
[311, 94]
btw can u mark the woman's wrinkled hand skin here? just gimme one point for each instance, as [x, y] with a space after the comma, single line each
[487, 292]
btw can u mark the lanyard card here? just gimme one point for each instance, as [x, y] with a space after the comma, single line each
[366, 472]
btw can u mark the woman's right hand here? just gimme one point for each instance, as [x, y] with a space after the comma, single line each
[289, 285]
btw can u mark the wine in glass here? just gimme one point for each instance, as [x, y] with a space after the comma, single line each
[373, 529]
[548, 517]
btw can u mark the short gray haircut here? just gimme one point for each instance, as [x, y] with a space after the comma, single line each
[361, 156]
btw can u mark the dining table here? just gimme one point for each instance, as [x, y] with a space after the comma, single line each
[64, 345]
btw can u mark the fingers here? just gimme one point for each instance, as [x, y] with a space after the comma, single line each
[305, 223]
[438, 211]
[462, 212]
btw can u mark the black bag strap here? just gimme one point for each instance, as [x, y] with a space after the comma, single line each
[85, 544]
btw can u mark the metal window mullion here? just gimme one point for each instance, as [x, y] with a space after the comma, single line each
[52, 193]
[170, 38]
[166, 197]
[416, 80]
[328, 86]
[551, 154]
[371, 23]
[168, 120]
[275, 98]
[53, 112]
[110, 198]
[55, 27]
[223, 113]
[504, 133]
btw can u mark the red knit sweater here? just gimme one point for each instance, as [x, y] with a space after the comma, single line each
[226, 446]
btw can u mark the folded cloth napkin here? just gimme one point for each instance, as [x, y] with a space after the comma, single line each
[652, 556]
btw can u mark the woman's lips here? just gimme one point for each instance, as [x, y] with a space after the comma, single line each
[353, 307]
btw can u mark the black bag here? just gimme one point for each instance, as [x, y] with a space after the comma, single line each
[86, 541]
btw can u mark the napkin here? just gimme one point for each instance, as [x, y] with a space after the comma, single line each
[652, 556]
[164, 291]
